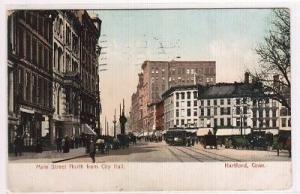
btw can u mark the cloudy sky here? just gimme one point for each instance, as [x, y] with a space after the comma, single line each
[228, 36]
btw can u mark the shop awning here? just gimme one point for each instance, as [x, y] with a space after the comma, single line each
[273, 131]
[228, 132]
[203, 131]
[88, 129]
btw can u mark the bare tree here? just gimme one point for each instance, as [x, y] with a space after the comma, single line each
[274, 54]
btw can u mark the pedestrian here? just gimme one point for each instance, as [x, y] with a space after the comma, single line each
[18, 145]
[92, 149]
[66, 147]
[59, 144]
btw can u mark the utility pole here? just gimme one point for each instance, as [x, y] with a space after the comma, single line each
[114, 121]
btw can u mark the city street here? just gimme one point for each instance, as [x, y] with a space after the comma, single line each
[161, 152]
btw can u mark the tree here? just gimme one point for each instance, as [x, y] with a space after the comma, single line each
[274, 55]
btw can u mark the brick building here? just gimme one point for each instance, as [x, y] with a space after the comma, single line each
[53, 74]
[159, 76]
[30, 38]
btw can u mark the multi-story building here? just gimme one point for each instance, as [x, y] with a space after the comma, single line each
[30, 48]
[181, 106]
[239, 108]
[53, 74]
[136, 112]
[159, 76]
[89, 74]
[66, 80]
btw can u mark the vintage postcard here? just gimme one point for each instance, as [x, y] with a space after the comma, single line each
[149, 99]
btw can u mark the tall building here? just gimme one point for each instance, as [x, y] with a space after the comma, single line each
[159, 76]
[181, 106]
[66, 80]
[53, 85]
[30, 51]
[89, 72]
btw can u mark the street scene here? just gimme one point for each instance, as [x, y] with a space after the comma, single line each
[201, 85]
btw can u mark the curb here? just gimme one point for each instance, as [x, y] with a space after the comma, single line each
[66, 159]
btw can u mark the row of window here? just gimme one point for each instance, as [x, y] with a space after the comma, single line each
[33, 88]
[188, 103]
[188, 112]
[188, 95]
[41, 24]
[33, 50]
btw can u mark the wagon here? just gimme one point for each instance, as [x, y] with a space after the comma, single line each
[210, 140]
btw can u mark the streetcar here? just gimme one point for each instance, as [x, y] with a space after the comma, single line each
[180, 136]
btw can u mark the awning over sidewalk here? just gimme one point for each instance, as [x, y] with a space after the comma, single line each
[203, 131]
[228, 132]
[87, 129]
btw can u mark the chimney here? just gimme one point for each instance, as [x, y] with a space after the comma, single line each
[247, 75]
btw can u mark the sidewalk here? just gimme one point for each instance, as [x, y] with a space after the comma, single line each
[49, 156]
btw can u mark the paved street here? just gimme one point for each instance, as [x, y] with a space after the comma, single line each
[156, 152]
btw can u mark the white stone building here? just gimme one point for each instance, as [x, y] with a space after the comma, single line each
[239, 108]
[180, 107]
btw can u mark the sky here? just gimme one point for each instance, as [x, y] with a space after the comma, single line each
[129, 37]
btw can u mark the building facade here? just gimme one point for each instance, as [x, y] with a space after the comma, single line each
[30, 45]
[66, 81]
[239, 109]
[53, 81]
[159, 76]
[89, 70]
[181, 107]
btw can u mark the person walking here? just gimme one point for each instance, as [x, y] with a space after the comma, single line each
[59, 144]
[92, 149]
[18, 146]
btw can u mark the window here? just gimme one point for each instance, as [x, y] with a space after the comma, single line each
[222, 111]
[254, 113]
[260, 113]
[267, 123]
[222, 102]
[195, 113]
[254, 123]
[283, 122]
[228, 111]
[177, 113]
[208, 102]
[182, 121]
[177, 122]
[188, 112]
[238, 110]
[195, 95]
[182, 95]
[228, 101]
[202, 112]
[177, 96]
[215, 110]
[289, 122]
[274, 113]
[215, 122]
[267, 113]
[238, 101]
[188, 103]
[177, 104]
[208, 112]
[274, 122]
[215, 102]
[188, 95]
[182, 113]
[195, 102]
[238, 122]
[244, 100]
[228, 122]
[28, 47]
[222, 121]
[245, 110]
[202, 102]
